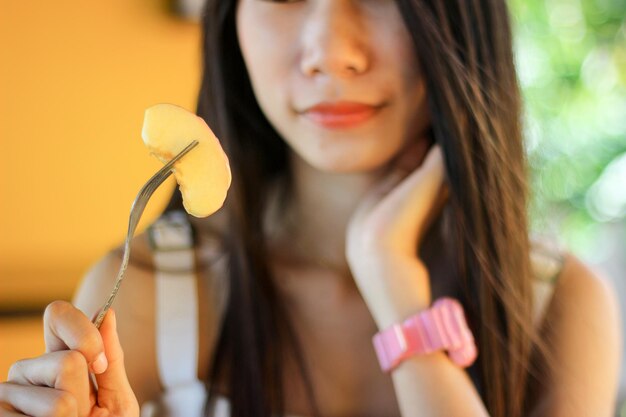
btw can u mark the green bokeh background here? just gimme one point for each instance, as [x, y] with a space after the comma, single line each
[571, 61]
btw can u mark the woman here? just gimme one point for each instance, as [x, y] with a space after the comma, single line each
[377, 167]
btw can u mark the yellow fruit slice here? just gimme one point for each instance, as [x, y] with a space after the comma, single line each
[203, 174]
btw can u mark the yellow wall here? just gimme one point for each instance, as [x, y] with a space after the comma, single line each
[75, 77]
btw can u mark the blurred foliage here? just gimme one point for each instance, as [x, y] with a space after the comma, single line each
[571, 60]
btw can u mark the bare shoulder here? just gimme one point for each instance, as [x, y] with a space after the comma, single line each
[134, 307]
[583, 298]
[582, 328]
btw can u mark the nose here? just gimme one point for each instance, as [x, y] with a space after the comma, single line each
[333, 41]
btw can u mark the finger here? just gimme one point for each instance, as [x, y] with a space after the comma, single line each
[9, 413]
[406, 162]
[399, 210]
[114, 390]
[412, 201]
[64, 370]
[367, 204]
[38, 401]
[376, 194]
[7, 409]
[66, 327]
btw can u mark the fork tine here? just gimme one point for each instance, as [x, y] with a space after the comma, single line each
[167, 167]
[150, 187]
[137, 208]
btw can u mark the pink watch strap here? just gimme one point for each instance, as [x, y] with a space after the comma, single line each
[441, 327]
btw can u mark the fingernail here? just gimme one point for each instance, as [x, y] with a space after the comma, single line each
[100, 364]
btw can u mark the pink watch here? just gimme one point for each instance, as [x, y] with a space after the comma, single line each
[441, 327]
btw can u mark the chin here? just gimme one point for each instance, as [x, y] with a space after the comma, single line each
[347, 163]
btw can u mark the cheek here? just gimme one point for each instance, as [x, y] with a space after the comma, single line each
[247, 32]
[264, 50]
[402, 57]
[393, 48]
[399, 52]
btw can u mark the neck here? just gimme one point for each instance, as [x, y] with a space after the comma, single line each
[310, 230]
[314, 222]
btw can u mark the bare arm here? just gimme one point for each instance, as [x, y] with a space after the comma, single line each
[583, 325]
[383, 236]
[436, 387]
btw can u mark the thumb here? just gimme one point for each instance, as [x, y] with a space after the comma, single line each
[114, 390]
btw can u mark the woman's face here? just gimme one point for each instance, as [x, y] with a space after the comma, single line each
[338, 79]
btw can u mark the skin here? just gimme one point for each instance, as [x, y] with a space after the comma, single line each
[332, 51]
[379, 201]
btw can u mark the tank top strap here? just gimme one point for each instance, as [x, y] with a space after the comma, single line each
[171, 238]
[547, 259]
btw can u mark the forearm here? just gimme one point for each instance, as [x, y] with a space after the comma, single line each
[429, 385]
[395, 287]
[433, 386]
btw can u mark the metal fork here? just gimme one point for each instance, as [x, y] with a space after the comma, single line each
[135, 213]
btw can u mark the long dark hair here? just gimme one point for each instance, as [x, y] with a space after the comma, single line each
[474, 103]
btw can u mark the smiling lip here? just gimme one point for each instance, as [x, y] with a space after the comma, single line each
[341, 115]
